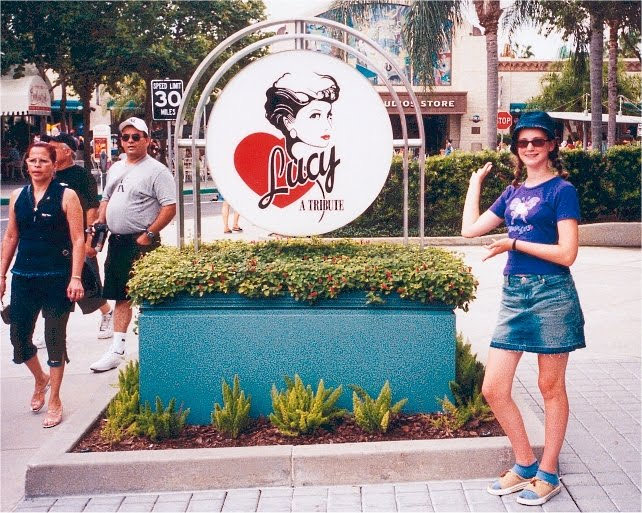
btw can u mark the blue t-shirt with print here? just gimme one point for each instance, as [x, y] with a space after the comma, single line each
[531, 214]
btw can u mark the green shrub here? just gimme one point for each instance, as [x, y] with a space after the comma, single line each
[125, 406]
[608, 188]
[373, 415]
[469, 373]
[623, 179]
[297, 410]
[455, 417]
[234, 416]
[307, 270]
[162, 423]
[466, 389]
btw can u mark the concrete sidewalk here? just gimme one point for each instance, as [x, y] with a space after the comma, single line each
[600, 461]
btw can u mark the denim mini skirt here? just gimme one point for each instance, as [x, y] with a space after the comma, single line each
[539, 314]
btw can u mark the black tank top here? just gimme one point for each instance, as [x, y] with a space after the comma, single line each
[44, 244]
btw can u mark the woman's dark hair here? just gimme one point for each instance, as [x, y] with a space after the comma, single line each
[50, 149]
[553, 156]
[285, 103]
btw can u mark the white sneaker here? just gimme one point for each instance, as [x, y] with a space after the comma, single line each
[39, 341]
[106, 329]
[110, 360]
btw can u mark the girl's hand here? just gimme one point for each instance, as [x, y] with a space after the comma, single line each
[3, 285]
[479, 175]
[75, 290]
[497, 247]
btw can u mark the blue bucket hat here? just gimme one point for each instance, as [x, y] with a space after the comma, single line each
[535, 119]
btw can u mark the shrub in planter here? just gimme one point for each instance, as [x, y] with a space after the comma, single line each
[162, 423]
[123, 409]
[373, 415]
[273, 301]
[298, 410]
[307, 270]
[234, 416]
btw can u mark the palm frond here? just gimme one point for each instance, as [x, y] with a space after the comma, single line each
[427, 27]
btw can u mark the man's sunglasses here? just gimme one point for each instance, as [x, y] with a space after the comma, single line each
[135, 137]
[537, 142]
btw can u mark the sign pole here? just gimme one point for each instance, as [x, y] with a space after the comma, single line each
[166, 97]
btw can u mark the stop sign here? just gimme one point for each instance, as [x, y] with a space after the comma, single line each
[504, 120]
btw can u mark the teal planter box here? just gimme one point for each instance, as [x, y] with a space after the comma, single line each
[188, 344]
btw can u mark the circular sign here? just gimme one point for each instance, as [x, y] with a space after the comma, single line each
[299, 143]
[504, 120]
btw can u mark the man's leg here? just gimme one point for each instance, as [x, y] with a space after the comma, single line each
[115, 355]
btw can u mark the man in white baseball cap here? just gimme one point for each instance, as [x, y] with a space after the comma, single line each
[139, 200]
[137, 123]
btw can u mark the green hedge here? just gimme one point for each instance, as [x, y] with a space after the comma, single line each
[608, 187]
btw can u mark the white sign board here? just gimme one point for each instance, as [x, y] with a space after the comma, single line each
[166, 97]
[299, 143]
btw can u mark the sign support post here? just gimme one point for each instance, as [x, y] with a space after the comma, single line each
[166, 98]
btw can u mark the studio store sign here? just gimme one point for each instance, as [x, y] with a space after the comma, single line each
[300, 143]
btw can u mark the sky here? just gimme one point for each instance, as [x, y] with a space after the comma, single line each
[543, 47]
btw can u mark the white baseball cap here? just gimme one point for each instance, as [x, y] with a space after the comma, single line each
[137, 123]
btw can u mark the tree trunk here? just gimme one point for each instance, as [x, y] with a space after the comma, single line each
[63, 106]
[489, 12]
[596, 56]
[85, 99]
[612, 81]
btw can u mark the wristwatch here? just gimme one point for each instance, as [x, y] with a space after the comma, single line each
[150, 235]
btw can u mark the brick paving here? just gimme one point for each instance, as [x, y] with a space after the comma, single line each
[599, 463]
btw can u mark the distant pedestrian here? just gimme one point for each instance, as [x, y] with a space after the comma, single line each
[225, 214]
[449, 147]
[540, 310]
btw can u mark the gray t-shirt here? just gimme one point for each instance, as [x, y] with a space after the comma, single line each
[136, 194]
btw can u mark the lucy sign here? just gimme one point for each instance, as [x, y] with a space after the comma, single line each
[299, 143]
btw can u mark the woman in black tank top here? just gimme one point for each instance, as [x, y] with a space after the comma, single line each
[46, 226]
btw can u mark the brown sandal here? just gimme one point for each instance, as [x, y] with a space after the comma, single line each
[38, 397]
[52, 418]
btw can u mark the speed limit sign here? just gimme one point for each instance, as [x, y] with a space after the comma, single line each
[166, 97]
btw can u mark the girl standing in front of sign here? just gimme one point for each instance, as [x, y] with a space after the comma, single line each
[300, 106]
[540, 310]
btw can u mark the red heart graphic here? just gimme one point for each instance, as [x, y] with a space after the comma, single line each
[251, 160]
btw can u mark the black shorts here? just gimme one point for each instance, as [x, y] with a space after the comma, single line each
[121, 255]
[28, 297]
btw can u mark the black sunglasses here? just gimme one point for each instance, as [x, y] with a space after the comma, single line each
[538, 142]
[135, 137]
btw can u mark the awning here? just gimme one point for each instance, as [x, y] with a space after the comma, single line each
[71, 105]
[24, 96]
[581, 116]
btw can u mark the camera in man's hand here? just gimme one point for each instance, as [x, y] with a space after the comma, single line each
[99, 231]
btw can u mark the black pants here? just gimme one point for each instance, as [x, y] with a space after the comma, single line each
[28, 297]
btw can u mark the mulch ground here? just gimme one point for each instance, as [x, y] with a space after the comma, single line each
[261, 432]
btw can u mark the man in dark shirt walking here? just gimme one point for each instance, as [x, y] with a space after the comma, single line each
[80, 180]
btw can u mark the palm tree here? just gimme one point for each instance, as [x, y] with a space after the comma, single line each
[426, 29]
[489, 12]
[621, 15]
[596, 53]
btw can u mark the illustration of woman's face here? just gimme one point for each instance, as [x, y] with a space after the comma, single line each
[313, 124]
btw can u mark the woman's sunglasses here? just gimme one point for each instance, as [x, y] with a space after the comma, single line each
[537, 142]
[134, 137]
